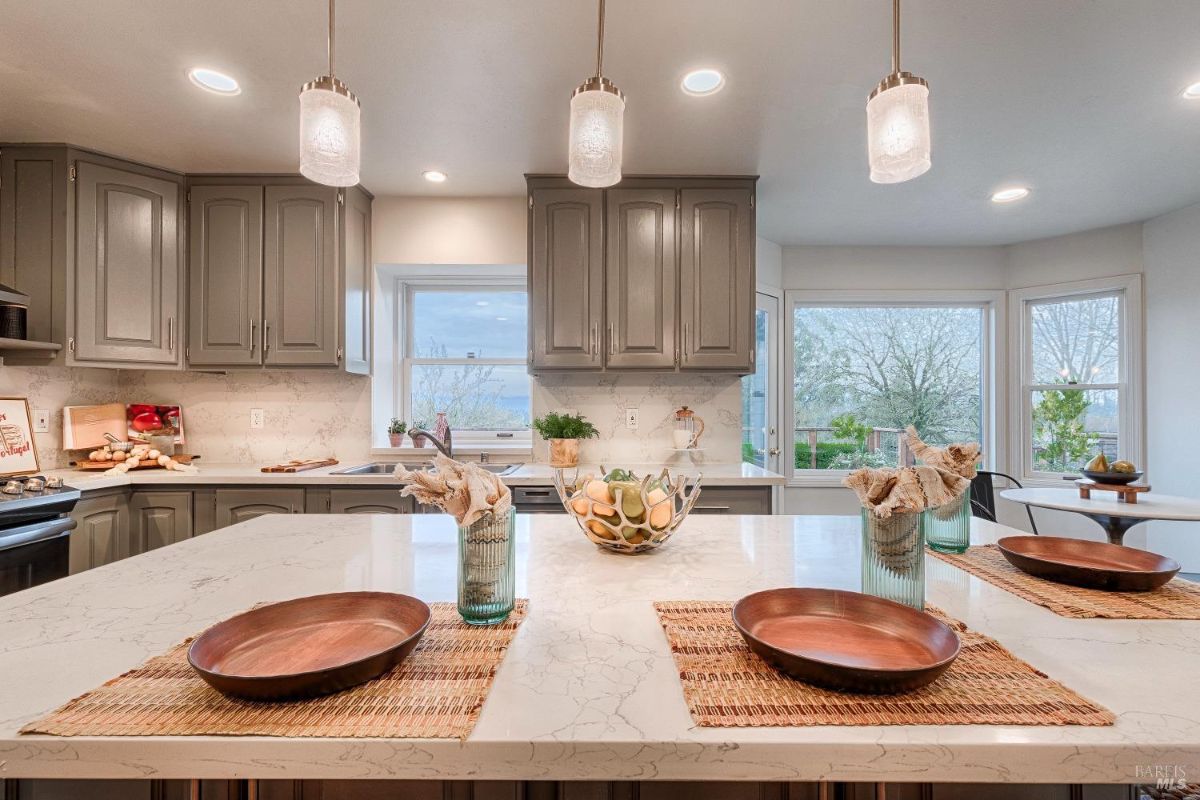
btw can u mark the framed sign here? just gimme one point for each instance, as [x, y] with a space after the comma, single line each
[17, 454]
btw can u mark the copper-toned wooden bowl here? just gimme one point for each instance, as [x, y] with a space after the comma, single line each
[309, 646]
[1093, 565]
[846, 640]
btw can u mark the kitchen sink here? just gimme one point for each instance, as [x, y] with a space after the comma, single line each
[387, 468]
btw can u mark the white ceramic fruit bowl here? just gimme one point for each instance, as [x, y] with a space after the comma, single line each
[601, 513]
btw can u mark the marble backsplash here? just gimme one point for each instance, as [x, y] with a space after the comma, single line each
[51, 388]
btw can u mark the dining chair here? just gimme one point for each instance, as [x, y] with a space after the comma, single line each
[983, 497]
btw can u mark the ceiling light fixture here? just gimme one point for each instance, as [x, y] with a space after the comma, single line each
[212, 81]
[1010, 194]
[898, 120]
[700, 82]
[597, 126]
[1192, 92]
[330, 127]
[434, 176]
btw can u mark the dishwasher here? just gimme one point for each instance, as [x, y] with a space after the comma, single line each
[536, 500]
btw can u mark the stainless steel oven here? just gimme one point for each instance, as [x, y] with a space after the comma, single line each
[35, 533]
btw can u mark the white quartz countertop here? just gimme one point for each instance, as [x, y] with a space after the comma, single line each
[588, 689]
[726, 474]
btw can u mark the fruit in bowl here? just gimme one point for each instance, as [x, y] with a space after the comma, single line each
[625, 513]
[1101, 470]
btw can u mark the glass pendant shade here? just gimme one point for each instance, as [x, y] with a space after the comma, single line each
[898, 144]
[330, 133]
[597, 131]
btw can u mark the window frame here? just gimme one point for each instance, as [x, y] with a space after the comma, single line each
[992, 358]
[1130, 377]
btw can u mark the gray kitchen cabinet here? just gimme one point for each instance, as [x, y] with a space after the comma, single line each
[300, 276]
[357, 281]
[225, 263]
[159, 518]
[641, 256]
[102, 532]
[566, 278]
[717, 278]
[238, 505]
[368, 501]
[733, 500]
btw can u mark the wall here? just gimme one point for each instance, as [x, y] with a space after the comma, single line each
[1100, 253]
[894, 268]
[1172, 260]
[453, 230]
[52, 388]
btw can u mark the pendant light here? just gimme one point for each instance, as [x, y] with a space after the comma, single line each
[597, 123]
[330, 129]
[898, 120]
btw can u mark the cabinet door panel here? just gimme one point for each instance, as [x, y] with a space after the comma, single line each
[158, 519]
[566, 279]
[300, 268]
[717, 279]
[640, 264]
[239, 505]
[225, 275]
[33, 218]
[357, 280]
[369, 501]
[102, 533]
[127, 266]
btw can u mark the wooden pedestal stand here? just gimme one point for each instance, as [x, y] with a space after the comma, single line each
[1126, 493]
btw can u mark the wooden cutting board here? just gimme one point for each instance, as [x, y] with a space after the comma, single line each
[182, 458]
[300, 465]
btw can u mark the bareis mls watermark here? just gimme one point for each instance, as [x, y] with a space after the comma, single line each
[1162, 776]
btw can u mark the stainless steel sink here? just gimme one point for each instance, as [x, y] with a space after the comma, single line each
[387, 468]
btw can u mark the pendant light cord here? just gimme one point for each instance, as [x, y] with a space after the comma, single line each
[895, 35]
[331, 37]
[599, 41]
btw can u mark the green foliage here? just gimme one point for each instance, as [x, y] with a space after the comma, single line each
[1058, 427]
[826, 453]
[564, 426]
[749, 454]
[397, 426]
[846, 426]
[859, 459]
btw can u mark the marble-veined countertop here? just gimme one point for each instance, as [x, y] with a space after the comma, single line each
[588, 689]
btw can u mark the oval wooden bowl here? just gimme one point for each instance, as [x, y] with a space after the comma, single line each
[618, 533]
[1092, 565]
[309, 646]
[846, 640]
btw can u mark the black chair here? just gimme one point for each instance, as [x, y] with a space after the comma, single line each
[983, 497]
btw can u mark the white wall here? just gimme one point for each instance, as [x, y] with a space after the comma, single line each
[1101, 253]
[894, 268]
[768, 263]
[1172, 291]
[452, 230]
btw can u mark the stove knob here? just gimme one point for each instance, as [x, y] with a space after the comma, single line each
[54, 482]
[35, 484]
[13, 487]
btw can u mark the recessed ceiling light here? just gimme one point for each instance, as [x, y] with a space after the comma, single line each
[434, 176]
[481, 302]
[501, 319]
[1010, 195]
[213, 81]
[703, 81]
[1192, 92]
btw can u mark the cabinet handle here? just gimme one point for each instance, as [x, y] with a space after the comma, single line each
[592, 344]
[266, 338]
[612, 340]
[686, 330]
[171, 334]
[713, 508]
[253, 337]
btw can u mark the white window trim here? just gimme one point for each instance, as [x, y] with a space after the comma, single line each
[390, 398]
[994, 304]
[1130, 388]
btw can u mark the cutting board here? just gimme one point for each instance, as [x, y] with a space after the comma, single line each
[182, 458]
[299, 465]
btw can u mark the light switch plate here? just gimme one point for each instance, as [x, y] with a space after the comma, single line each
[631, 419]
[258, 418]
[41, 420]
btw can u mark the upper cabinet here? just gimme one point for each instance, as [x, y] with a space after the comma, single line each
[280, 274]
[98, 244]
[654, 274]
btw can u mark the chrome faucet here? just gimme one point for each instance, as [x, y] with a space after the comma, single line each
[446, 448]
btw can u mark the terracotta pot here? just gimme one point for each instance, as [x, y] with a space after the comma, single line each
[419, 441]
[564, 452]
[396, 439]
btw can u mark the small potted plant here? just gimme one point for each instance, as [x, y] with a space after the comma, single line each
[396, 429]
[563, 432]
[417, 441]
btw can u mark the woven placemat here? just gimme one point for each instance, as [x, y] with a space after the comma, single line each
[727, 686]
[437, 693]
[1179, 599]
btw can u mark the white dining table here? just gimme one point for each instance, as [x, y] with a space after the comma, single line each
[1115, 516]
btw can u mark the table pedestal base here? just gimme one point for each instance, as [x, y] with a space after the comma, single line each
[1115, 527]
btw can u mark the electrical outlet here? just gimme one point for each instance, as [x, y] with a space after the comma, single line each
[41, 420]
[631, 419]
[257, 418]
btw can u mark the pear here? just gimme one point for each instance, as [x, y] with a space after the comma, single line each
[1098, 464]
[1123, 466]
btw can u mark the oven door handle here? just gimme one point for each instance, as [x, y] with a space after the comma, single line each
[35, 532]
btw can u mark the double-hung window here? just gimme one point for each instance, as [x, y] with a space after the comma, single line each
[462, 350]
[1079, 346]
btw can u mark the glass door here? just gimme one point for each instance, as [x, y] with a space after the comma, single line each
[760, 406]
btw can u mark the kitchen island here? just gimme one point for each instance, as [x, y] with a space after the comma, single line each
[588, 689]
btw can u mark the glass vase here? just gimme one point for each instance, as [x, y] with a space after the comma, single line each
[893, 557]
[948, 527]
[487, 569]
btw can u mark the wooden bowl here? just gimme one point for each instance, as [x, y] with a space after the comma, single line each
[309, 646]
[1113, 478]
[846, 640]
[1093, 565]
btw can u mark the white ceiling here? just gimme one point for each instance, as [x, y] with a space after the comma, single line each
[1077, 98]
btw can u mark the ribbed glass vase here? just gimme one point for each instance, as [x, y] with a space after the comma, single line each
[948, 527]
[893, 557]
[487, 569]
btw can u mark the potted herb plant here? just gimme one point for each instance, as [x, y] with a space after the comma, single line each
[563, 432]
[396, 429]
[417, 441]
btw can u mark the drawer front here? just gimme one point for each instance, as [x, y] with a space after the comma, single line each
[733, 500]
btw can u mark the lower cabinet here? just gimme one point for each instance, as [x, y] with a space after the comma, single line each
[158, 519]
[102, 531]
[238, 505]
[369, 501]
[733, 500]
